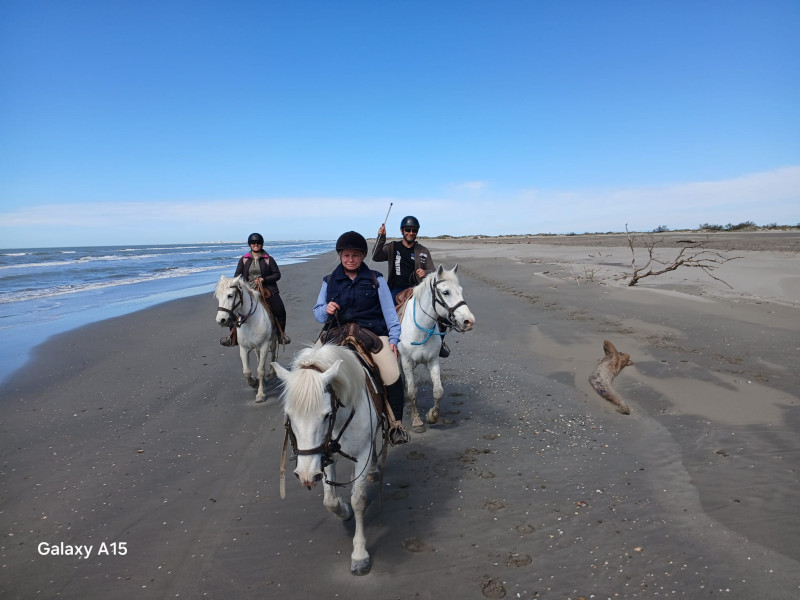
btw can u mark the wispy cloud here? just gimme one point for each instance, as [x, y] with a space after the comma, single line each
[470, 186]
[772, 196]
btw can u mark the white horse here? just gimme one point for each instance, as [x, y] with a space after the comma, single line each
[438, 296]
[239, 305]
[329, 416]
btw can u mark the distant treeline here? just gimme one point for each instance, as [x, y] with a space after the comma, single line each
[743, 226]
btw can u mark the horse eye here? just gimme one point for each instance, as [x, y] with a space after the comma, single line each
[446, 293]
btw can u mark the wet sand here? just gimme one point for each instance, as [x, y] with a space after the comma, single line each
[140, 431]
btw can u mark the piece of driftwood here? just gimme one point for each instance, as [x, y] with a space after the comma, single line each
[608, 368]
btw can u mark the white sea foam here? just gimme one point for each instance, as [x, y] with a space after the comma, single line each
[60, 290]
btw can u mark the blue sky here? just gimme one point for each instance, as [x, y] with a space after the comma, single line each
[158, 121]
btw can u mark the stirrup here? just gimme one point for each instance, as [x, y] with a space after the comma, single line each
[285, 339]
[444, 352]
[398, 436]
[226, 341]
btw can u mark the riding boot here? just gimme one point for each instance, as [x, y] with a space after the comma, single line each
[396, 399]
[397, 435]
[444, 352]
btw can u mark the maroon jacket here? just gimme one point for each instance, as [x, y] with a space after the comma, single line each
[269, 270]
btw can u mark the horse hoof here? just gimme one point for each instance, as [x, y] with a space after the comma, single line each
[348, 514]
[418, 428]
[260, 399]
[433, 417]
[361, 567]
[252, 383]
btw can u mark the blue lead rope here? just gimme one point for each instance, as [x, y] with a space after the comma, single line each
[428, 332]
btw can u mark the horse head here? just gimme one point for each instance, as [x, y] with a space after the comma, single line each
[449, 299]
[229, 298]
[310, 406]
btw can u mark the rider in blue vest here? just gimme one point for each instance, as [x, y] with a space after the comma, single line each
[354, 293]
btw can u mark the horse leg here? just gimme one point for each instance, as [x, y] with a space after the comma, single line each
[411, 393]
[332, 501]
[360, 563]
[273, 349]
[244, 354]
[438, 390]
[261, 355]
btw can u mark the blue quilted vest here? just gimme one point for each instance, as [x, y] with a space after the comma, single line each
[358, 298]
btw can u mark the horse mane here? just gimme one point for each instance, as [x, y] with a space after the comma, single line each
[223, 284]
[226, 282]
[304, 391]
[447, 275]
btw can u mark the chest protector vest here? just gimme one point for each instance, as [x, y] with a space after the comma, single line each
[357, 298]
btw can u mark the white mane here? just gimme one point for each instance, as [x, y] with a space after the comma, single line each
[441, 274]
[304, 390]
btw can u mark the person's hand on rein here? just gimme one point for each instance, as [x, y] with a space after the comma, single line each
[331, 308]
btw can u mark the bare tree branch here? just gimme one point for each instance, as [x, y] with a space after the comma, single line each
[695, 255]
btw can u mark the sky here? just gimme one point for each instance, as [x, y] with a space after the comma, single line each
[140, 122]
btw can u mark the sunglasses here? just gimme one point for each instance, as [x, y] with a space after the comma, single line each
[410, 229]
[256, 244]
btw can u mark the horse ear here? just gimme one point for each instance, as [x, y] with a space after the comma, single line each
[440, 270]
[283, 374]
[328, 375]
[455, 269]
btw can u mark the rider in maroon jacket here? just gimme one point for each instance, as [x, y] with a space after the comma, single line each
[259, 267]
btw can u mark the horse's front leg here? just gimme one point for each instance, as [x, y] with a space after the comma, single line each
[331, 499]
[438, 390]
[360, 563]
[244, 354]
[411, 392]
[261, 371]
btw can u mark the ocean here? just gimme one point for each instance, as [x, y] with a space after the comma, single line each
[44, 291]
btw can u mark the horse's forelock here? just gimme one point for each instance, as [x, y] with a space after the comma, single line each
[223, 284]
[448, 275]
[304, 390]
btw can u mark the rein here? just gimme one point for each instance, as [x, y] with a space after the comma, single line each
[437, 299]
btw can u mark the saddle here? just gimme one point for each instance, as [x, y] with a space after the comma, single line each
[340, 336]
[364, 343]
[401, 300]
[263, 295]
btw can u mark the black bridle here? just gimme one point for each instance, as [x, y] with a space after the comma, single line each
[329, 445]
[438, 298]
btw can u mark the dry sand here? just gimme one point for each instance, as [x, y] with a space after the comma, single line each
[140, 430]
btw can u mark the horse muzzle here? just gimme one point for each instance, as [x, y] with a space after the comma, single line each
[307, 479]
[462, 322]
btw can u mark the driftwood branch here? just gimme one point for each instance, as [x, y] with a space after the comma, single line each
[609, 367]
[695, 255]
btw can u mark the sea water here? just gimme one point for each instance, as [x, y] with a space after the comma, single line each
[44, 291]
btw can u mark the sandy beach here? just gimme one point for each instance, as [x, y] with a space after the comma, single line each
[139, 436]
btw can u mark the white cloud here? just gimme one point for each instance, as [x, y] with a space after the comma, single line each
[470, 186]
[766, 197]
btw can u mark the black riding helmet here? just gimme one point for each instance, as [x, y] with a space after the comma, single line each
[255, 238]
[409, 221]
[351, 240]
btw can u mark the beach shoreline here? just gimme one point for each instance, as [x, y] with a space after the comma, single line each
[140, 429]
